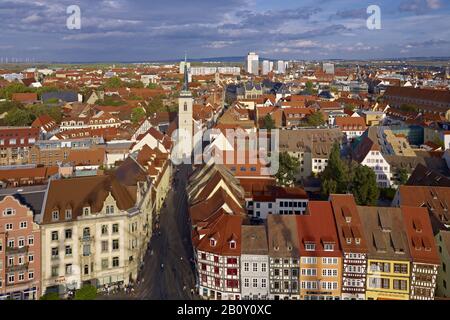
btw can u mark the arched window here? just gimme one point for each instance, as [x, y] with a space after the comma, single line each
[185, 106]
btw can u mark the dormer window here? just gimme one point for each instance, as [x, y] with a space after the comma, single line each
[357, 240]
[68, 214]
[212, 242]
[348, 240]
[328, 247]
[86, 211]
[55, 215]
[232, 244]
[310, 247]
[9, 212]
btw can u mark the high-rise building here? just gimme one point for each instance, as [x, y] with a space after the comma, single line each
[328, 68]
[281, 66]
[266, 67]
[253, 63]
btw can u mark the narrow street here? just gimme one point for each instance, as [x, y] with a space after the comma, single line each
[167, 272]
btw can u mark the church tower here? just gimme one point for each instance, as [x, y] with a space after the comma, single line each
[185, 119]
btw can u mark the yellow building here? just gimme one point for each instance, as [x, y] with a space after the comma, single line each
[389, 259]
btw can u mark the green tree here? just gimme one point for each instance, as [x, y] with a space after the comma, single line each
[50, 296]
[16, 87]
[87, 292]
[19, 117]
[364, 186]
[315, 119]
[114, 82]
[402, 176]
[152, 86]
[156, 105]
[309, 87]
[336, 176]
[269, 123]
[288, 169]
[137, 115]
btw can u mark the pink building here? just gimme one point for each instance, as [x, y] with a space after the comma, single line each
[20, 248]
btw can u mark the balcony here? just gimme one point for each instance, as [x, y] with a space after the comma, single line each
[17, 268]
[16, 250]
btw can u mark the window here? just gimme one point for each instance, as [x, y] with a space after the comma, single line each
[9, 212]
[115, 262]
[30, 258]
[21, 242]
[55, 215]
[23, 225]
[68, 250]
[329, 247]
[115, 244]
[115, 228]
[105, 264]
[246, 282]
[9, 227]
[246, 266]
[255, 267]
[68, 269]
[212, 242]
[310, 247]
[68, 214]
[86, 211]
[232, 244]
[21, 260]
[104, 246]
[68, 233]
[10, 243]
[104, 229]
[11, 278]
[55, 253]
[263, 267]
[30, 241]
[30, 275]
[55, 271]
[55, 235]
[263, 283]
[255, 283]
[1, 246]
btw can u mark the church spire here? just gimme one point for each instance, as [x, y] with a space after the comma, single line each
[186, 78]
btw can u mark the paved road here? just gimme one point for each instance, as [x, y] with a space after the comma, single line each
[172, 249]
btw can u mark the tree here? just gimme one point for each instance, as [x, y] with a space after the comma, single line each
[114, 82]
[155, 105]
[50, 296]
[87, 292]
[336, 176]
[315, 119]
[152, 86]
[364, 186]
[19, 117]
[288, 169]
[269, 123]
[309, 87]
[402, 176]
[16, 87]
[137, 115]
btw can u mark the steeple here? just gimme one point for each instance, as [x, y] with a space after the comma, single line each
[186, 77]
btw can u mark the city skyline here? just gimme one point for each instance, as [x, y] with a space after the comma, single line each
[140, 31]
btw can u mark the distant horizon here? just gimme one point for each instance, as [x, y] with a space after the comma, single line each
[234, 59]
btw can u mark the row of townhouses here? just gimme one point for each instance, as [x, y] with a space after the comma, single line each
[333, 250]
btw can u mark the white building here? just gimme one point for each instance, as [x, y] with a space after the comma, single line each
[266, 67]
[281, 67]
[254, 263]
[253, 63]
[185, 121]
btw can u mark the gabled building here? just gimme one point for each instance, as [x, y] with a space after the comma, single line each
[389, 257]
[254, 263]
[20, 251]
[320, 253]
[94, 230]
[353, 245]
[424, 255]
[284, 257]
[16, 144]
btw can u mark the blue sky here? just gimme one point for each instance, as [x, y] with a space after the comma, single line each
[144, 30]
